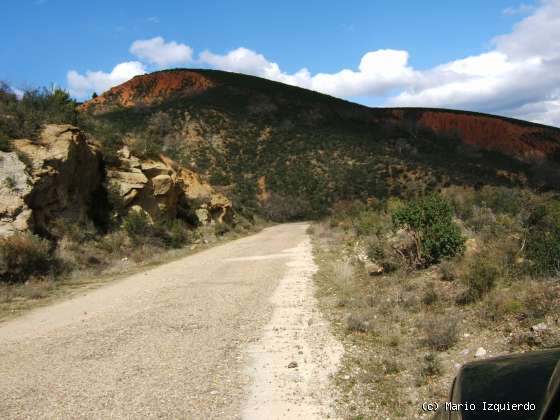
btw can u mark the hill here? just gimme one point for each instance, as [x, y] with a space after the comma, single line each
[294, 152]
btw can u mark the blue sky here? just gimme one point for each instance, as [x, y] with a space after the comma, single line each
[495, 56]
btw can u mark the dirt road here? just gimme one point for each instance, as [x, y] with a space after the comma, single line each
[207, 336]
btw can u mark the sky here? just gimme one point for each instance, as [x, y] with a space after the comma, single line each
[499, 56]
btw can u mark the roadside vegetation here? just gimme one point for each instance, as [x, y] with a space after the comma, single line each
[35, 270]
[417, 287]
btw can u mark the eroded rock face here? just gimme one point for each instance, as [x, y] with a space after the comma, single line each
[14, 186]
[149, 89]
[521, 140]
[53, 178]
[165, 190]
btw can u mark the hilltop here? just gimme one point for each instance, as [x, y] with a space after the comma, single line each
[295, 152]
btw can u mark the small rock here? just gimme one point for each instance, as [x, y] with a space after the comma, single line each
[466, 335]
[292, 365]
[539, 327]
[480, 352]
[213, 392]
[125, 259]
[464, 352]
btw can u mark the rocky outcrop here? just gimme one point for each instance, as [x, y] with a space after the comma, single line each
[165, 190]
[52, 178]
[522, 140]
[149, 89]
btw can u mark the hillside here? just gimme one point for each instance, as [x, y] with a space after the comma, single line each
[296, 151]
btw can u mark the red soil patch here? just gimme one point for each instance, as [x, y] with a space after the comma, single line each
[150, 88]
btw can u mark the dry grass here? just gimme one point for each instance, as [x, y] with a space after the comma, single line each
[114, 258]
[404, 334]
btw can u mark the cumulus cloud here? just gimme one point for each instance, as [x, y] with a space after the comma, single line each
[378, 72]
[163, 54]
[82, 85]
[243, 60]
[519, 76]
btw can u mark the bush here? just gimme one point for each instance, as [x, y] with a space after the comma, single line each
[370, 223]
[23, 256]
[178, 234]
[5, 145]
[480, 279]
[22, 118]
[430, 296]
[448, 270]
[440, 333]
[543, 248]
[431, 366]
[137, 224]
[430, 220]
[501, 199]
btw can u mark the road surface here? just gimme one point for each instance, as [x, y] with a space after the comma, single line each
[209, 336]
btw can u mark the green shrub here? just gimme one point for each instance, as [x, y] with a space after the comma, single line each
[430, 220]
[501, 199]
[220, 229]
[480, 279]
[23, 256]
[431, 366]
[5, 145]
[370, 223]
[543, 240]
[137, 224]
[178, 234]
[543, 249]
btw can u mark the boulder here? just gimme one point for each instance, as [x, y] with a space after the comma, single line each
[52, 178]
[164, 189]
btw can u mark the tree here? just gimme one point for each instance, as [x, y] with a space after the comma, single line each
[430, 221]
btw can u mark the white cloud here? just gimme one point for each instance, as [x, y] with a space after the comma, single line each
[81, 86]
[161, 53]
[519, 76]
[243, 60]
[378, 72]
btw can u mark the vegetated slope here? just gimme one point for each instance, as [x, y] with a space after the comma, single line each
[294, 152]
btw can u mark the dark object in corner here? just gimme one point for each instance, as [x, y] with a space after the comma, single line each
[532, 378]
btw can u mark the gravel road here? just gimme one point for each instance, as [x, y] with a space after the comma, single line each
[209, 336]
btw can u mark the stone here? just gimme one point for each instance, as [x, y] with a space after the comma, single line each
[134, 179]
[162, 184]
[480, 352]
[164, 189]
[292, 365]
[374, 269]
[51, 178]
[539, 327]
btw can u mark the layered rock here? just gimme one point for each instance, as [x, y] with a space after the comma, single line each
[165, 190]
[52, 178]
